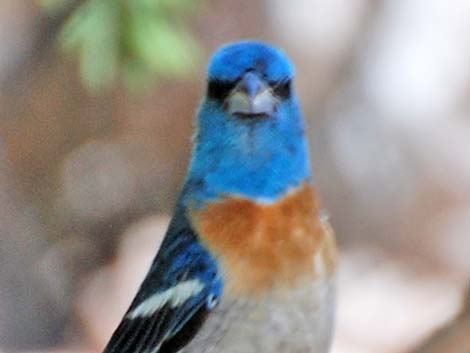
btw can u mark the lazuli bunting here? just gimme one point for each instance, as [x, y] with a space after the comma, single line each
[248, 262]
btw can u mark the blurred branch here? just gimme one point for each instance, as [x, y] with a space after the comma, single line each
[45, 29]
[454, 337]
[50, 26]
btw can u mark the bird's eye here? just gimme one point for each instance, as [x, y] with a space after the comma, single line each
[219, 90]
[282, 89]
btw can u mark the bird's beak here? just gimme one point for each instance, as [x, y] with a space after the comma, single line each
[252, 96]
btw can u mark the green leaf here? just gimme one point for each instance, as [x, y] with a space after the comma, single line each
[53, 6]
[136, 75]
[75, 29]
[166, 49]
[93, 32]
[174, 6]
[142, 39]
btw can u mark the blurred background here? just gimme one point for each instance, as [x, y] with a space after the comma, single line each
[97, 104]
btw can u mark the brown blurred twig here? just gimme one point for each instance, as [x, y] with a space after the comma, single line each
[45, 29]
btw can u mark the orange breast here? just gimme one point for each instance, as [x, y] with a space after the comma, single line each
[262, 246]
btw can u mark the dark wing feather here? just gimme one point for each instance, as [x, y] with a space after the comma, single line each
[147, 334]
[186, 333]
[169, 328]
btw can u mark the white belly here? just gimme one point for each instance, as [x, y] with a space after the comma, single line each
[297, 321]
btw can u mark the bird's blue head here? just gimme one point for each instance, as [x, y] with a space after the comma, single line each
[250, 138]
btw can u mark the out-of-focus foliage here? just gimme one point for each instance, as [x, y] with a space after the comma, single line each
[139, 39]
[53, 6]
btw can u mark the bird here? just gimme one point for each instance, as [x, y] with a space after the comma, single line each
[248, 261]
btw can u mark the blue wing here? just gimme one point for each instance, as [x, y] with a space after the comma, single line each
[180, 290]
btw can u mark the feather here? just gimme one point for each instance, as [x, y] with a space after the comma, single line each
[174, 299]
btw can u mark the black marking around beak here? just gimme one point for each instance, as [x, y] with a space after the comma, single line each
[251, 97]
